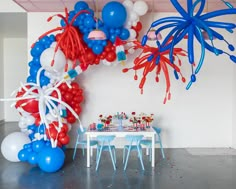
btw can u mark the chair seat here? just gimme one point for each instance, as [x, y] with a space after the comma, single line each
[146, 142]
[92, 142]
[106, 147]
[133, 147]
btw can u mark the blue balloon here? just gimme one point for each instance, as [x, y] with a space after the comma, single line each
[113, 38]
[114, 14]
[38, 145]
[89, 22]
[81, 5]
[34, 70]
[37, 50]
[124, 35]
[97, 49]
[51, 159]
[44, 81]
[31, 79]
[33, 158]
[23, 155]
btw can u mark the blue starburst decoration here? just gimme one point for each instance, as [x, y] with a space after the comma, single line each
[194, 24]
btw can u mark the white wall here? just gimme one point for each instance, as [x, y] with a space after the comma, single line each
[10, 6]
[234, 113]
[1, 79]
[15, 71]
[200, 117]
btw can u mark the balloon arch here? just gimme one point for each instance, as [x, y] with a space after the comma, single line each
[49, 102]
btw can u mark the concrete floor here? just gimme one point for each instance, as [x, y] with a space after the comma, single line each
[182, 169]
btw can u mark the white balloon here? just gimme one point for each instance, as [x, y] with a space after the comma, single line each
[128, 4]
[12, 144]
[132, 34]
[140, 7]
[59, 60]
[53, 45]
[22, 124]
[30, 120]
[70, 64]
[133, 17]
[106, 63]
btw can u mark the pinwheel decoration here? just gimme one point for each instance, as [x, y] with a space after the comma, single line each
[192, 24]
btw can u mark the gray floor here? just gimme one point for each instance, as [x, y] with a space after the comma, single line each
[182, 169]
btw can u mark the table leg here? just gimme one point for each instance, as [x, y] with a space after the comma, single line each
[153, 151]
[88, 150]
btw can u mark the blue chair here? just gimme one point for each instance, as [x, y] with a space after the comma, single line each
[133, 145]
[148, 143]
[105, 145]
[80, 141]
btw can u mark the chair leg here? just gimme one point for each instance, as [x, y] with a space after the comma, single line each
[162, 151]
[91, 151]
[150, 153]
[147, 150]
[75, 151]
[114, 151]
[99, 157]
[127, 158]
[83, 148]
[123, 155]
[112, 159]
[140, 157]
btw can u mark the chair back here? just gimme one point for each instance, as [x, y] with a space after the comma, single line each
[81, 132]
[134, 139]
[158, 132]
[105, 139]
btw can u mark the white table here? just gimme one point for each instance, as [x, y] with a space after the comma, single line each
[121, 133]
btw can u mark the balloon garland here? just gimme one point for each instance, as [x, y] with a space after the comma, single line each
[192, 24]
[50, 101]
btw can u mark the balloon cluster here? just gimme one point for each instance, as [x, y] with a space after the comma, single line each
[35, 63]
[42, 154]
[50, 101]
[135, 10]
[73, 97]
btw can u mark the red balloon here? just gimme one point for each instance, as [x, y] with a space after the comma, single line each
[68, 97]
[75, 85]
[71, 119]
[63, 87]
[111, 56]
[138, 27]
[65, 140]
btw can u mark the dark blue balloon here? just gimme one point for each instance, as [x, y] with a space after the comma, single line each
[97, 49]
[81, 5]
[114, 14]
[51, 159]
[124, 35]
